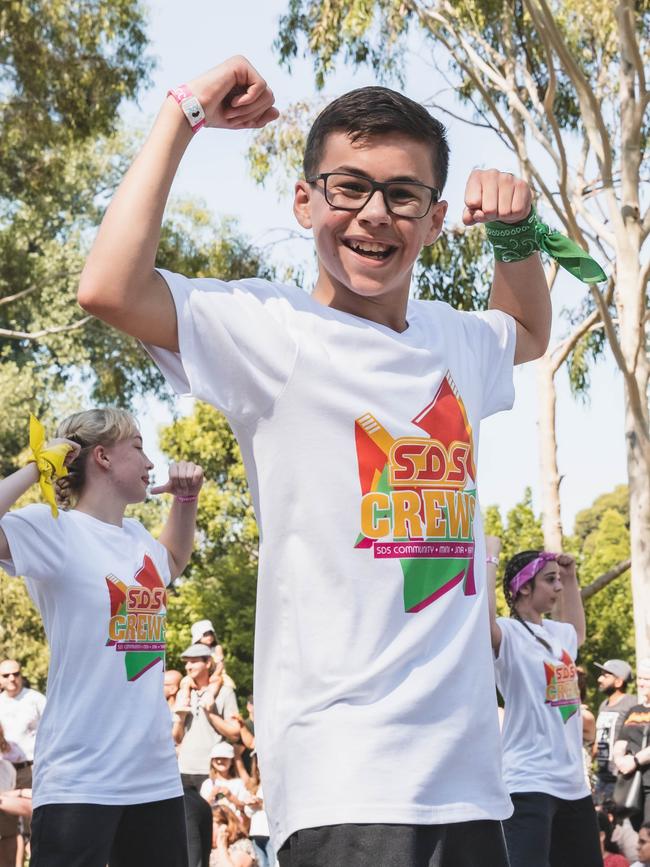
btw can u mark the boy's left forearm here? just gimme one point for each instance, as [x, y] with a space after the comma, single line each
[520, 289]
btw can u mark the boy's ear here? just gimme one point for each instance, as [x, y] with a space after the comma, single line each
[436, 216]
[302, 204]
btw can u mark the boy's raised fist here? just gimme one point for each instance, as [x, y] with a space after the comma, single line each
[493, 195]
[234, 96]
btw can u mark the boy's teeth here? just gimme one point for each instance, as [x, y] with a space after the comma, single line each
[370, 248]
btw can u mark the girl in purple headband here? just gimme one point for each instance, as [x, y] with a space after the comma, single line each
[554, 822]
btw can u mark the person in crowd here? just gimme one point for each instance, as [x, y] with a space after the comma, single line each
[224, 785]
[204, 716]
[554, 821]
[630, 754]
[231, 846]
[171, 684]
[13, 757]
[350, 631]
[610, 852]
[258, 830]
[643, 849]
[8, 820]
[615, 676]
[21, 711]
[623, 833]
[588, 727]
[203, 633]
[106, 783]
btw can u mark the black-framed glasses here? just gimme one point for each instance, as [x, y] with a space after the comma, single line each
[11, 674]
[346, 191]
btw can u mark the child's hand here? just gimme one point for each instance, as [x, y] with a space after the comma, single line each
[494, 195]
[234, 96]
[185, 480]
[75, 448]
[567, 566]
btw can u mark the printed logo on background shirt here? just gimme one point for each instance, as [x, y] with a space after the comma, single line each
[419, 498]
[638, 718]
[137, 624]
[562, 690]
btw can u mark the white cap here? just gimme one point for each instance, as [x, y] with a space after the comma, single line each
[200, 628]
[222, 750]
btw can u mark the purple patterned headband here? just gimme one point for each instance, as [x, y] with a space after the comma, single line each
[530, 570]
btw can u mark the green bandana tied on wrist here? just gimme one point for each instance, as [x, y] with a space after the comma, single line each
[513, 242]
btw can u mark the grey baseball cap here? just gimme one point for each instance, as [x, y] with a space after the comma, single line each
[617, 667]
[197, 651]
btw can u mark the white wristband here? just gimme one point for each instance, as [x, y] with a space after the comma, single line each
[190, 106]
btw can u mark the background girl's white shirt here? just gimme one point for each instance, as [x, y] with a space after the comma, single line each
[340, 668]
[103, 739]
[541, 752]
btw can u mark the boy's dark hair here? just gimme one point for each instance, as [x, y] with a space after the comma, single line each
[374, 111]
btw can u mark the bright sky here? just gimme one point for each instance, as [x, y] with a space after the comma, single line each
[591, 437]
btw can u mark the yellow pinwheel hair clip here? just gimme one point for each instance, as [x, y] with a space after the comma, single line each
[50, 461]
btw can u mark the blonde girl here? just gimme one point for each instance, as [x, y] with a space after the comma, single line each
[106, 784]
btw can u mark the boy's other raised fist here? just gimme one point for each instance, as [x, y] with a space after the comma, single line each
[493, 195]
[234, 96]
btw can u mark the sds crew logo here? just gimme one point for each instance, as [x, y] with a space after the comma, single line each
[419, 498]
[562, 690]
[137, 623]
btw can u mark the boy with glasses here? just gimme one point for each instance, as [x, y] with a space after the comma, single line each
[357, 411]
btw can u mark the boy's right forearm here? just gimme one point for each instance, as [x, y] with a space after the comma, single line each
[124, 253]
[15, 485]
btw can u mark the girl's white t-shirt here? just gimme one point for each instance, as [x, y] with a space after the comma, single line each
[235, 784]
[373, 664]
[105, 735]
[542, 729]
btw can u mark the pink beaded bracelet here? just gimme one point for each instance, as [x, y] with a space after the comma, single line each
[191, 499]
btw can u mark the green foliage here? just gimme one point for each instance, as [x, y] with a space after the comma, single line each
[588, 520]
[610, 617]
[456, 269]
[365, 31]
[65, 68]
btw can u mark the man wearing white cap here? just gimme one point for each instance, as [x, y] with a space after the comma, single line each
[203, 632]
[613, 680]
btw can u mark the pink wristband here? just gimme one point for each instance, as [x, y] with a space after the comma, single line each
[191, 499]
[190, 106]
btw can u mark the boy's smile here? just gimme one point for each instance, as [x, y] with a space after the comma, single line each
[366, 257]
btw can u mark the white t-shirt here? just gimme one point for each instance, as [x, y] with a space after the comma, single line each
[235, 784]
[20, 717]
[542, 730]
[105, 736]
[373, 666]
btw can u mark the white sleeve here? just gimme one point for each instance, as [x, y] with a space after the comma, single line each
[502, 661]
[206, 789]
[159, 554]
[236, 348]
[492, 338]
[37, 543]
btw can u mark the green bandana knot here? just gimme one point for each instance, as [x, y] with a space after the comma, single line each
[513, 242]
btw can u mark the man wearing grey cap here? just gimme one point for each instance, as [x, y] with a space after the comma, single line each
[613, 680]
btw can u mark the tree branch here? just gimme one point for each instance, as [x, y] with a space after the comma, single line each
[593, 119]
[37, 335]
[604, 579]
[9, 298]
